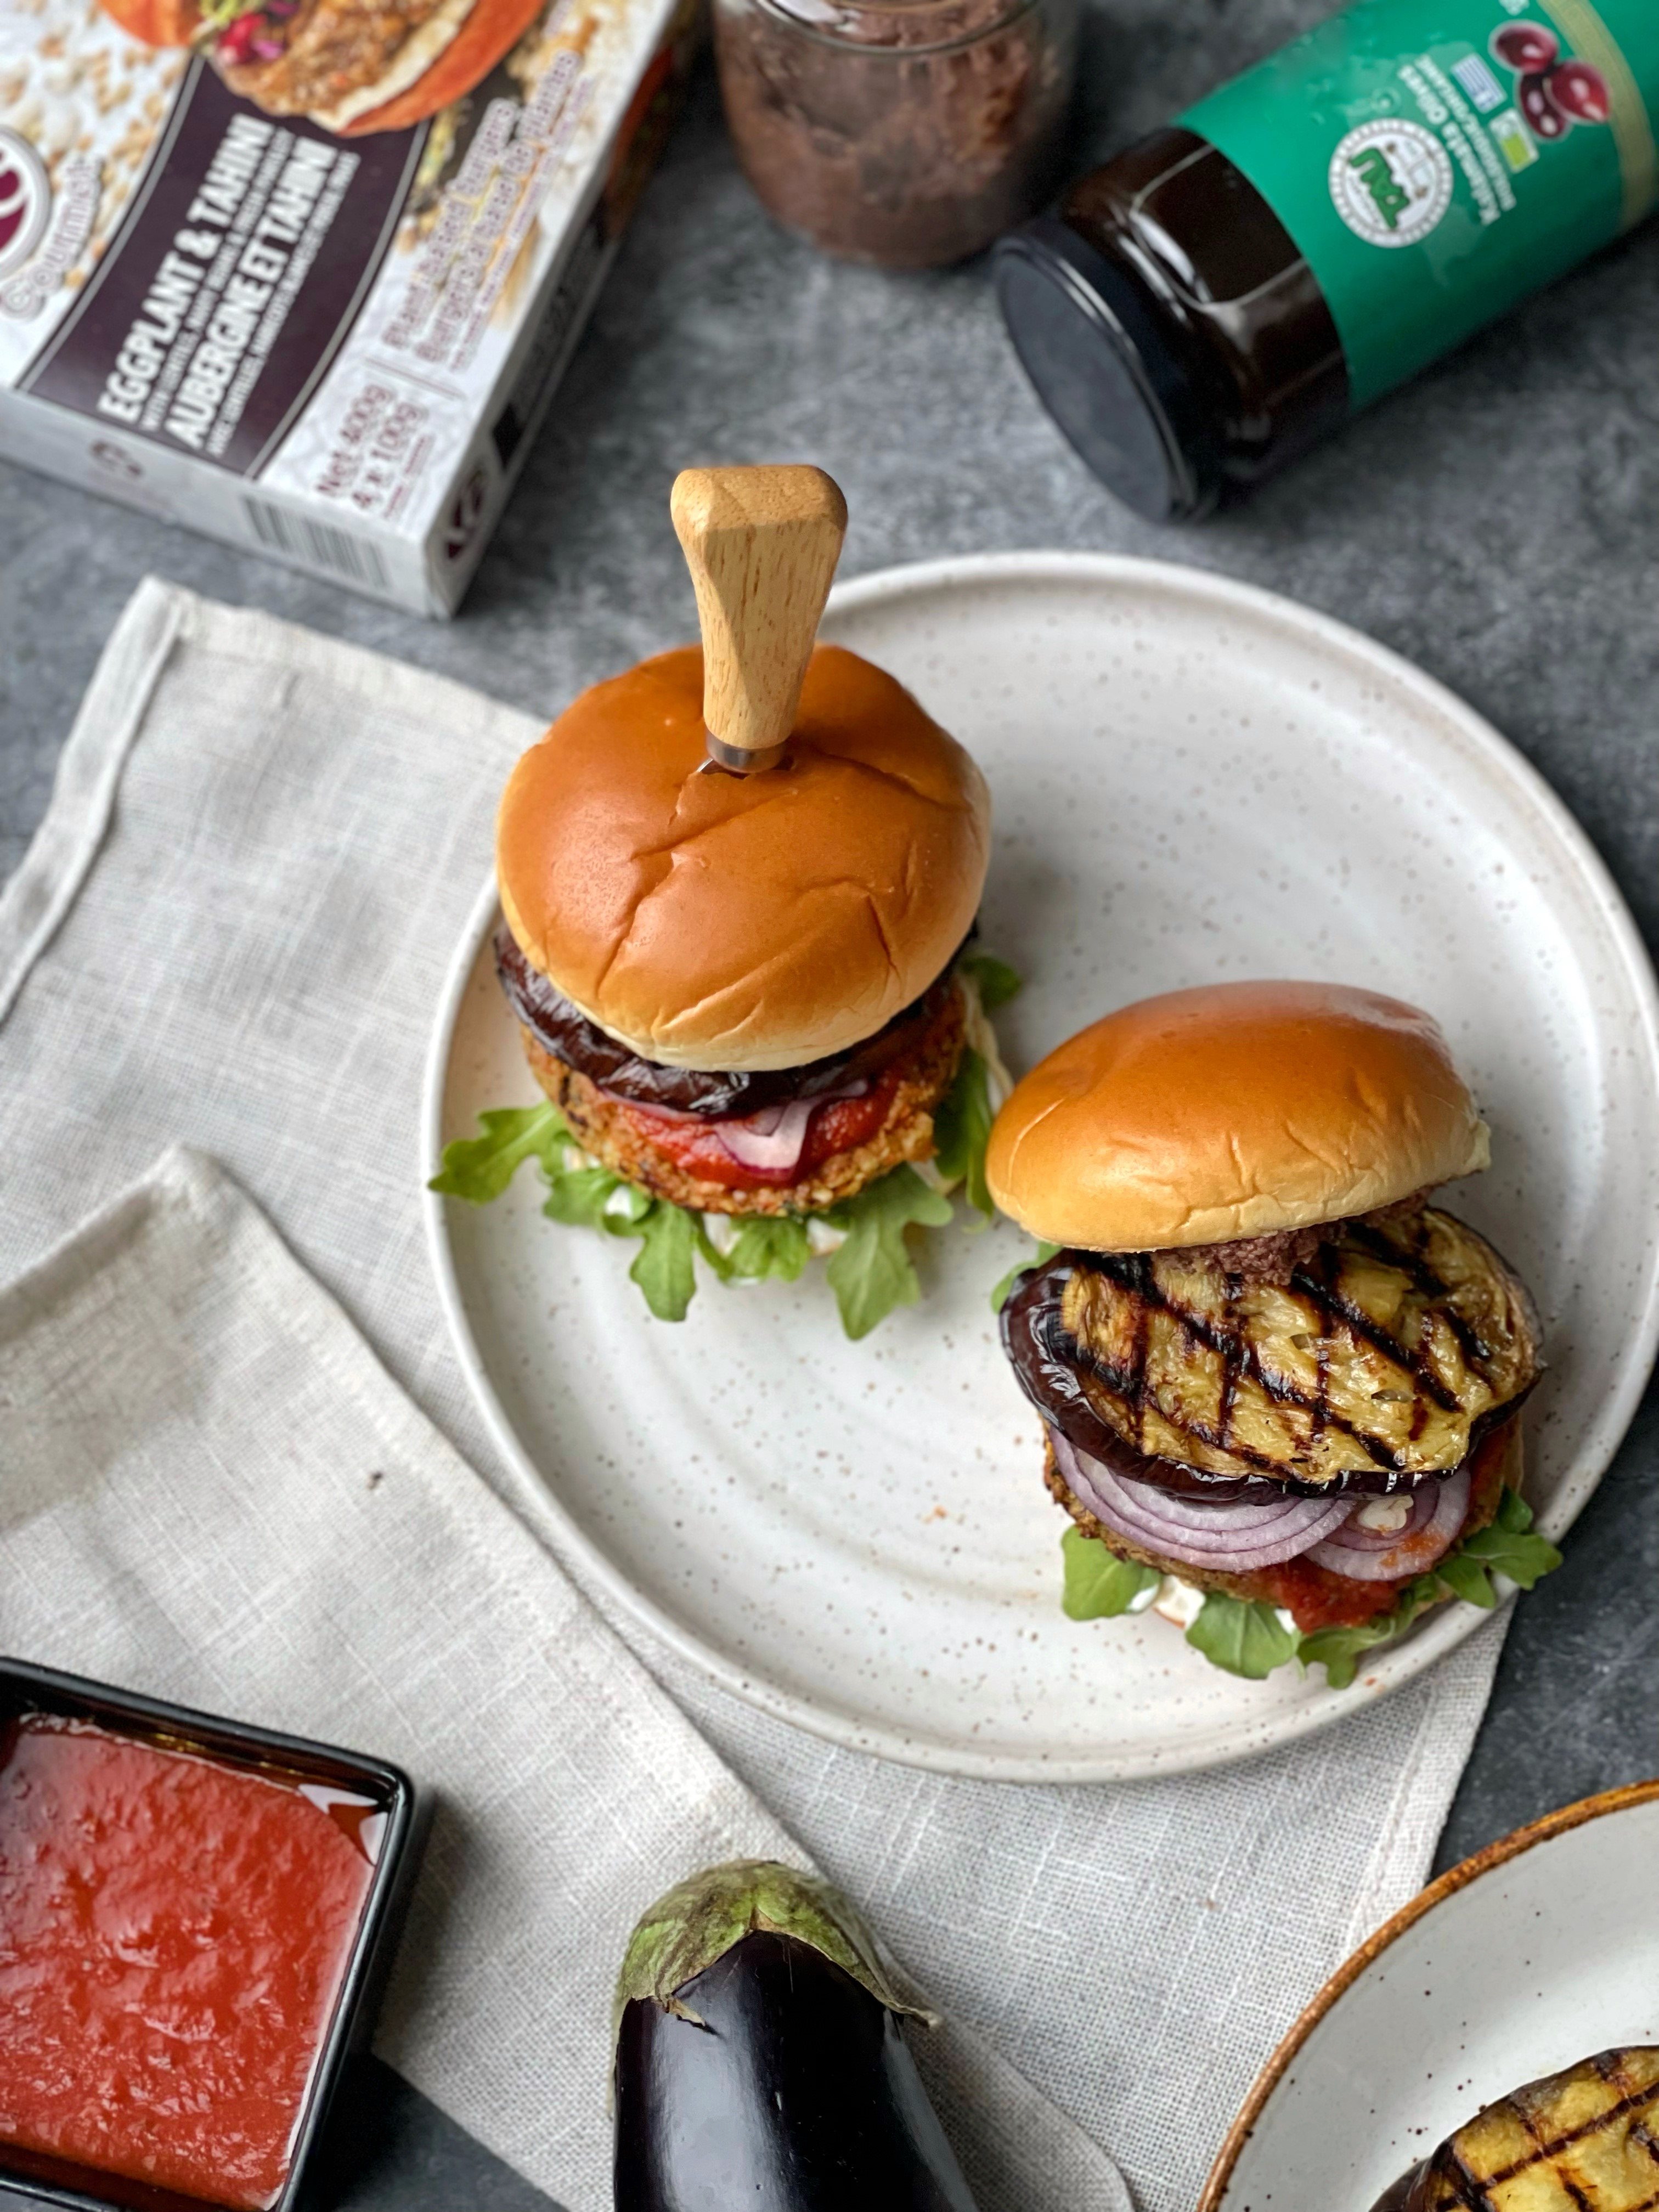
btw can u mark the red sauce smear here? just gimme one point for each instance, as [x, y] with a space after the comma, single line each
[174, 1934]
[840, 1126]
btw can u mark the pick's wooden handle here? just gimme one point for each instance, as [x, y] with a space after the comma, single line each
[761, 544]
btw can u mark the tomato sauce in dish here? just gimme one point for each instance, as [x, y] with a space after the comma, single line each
[174, 1931]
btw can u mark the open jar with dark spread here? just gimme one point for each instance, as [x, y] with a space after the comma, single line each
[907, 133]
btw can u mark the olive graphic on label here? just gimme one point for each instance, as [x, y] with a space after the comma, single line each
[1527, 48]
[1541, 111]
[1579, 91]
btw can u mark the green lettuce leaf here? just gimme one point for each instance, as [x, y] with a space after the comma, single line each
[1468, 1579]
[774, 1245]
[1098, 1584]
[666, 1268]
[871, 1272]
[1249, 1639]
[579, 1196]
[999, 1294]
[1339, 1650]
[479, 1169]
[1505, 1547]
[998, 982]
[1508, 1545]
[218, 14]
[962, 1130]
[1242, 1637]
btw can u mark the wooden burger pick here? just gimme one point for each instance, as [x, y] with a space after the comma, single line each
[761, 544]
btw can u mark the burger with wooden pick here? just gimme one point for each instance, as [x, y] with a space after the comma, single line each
[738, 886]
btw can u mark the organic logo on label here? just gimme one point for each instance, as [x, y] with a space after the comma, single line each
[1391, 181]
[25, 200]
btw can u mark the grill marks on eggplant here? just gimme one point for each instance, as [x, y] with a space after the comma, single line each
[1584, 2139]
[1386, 1351]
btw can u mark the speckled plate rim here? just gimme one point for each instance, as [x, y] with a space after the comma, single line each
[1448, 1625]
[1455, 1879]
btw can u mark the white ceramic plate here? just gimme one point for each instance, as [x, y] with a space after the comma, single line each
[1534, 1954]
[1191, 779]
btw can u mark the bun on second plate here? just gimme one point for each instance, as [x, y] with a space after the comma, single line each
[1229, 1111]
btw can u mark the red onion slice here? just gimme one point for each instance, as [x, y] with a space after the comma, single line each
[1420, 1505]
[1237, 1539]
[772, 1139]
[1411, 1554]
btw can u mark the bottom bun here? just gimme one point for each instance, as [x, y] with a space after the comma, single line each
[1300, 1586]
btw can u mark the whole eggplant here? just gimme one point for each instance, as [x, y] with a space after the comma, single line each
[761, 2060]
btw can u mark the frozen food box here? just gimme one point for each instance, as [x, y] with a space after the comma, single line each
[304, 274]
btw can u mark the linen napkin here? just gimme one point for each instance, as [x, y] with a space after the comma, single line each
[213, 1491]
[232, 932]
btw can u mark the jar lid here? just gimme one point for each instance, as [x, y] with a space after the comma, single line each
[1086, 338]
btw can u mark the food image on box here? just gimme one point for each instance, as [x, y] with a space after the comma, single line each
[304, 275]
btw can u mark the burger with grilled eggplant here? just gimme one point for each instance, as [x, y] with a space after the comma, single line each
[1278, 1385]
[349, 66]
[751, 1000]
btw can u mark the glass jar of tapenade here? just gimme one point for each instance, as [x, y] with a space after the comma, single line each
[1213, 300]
[908, 133]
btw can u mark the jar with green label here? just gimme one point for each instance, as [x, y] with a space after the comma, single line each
[1215, 298]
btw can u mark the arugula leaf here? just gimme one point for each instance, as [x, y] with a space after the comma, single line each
[579, 1196]
[1467, 1578]
[998, 982]
[218, 14]
[1506, 1546]
[479, 1169]
[776, 1245]
[1242, 1637]
[999, 1294]
[962, 1130]
[625, 1207]
[666, 1268]
[1339, 1650]
[1509, 1547]
[1098, 1584]
[871, 1272]
[1251, 1640]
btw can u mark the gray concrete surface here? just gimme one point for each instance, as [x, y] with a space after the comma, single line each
[1498, 522]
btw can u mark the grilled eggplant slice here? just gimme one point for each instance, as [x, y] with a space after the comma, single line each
[1384, 1356]
[761, 2059]
[1584, 2141]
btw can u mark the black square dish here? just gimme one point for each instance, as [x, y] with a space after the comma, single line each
[216, 1899]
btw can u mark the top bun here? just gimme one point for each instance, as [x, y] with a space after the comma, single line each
[739, 923]
[1233, 1110]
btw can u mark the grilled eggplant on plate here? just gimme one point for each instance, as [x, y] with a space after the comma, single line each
[1584, 2141]
[1279, 1390]
[761, 2059]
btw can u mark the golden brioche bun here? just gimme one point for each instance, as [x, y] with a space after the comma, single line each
[742, 922]
[1232, 1111]
[157, 22]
